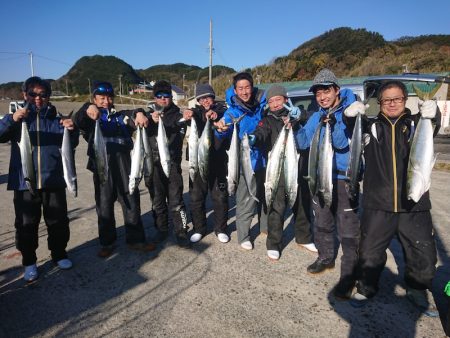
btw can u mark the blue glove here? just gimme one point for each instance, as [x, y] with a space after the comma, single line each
[294, 112]
[251, 139]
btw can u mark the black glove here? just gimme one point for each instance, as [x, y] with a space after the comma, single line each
[331, 119]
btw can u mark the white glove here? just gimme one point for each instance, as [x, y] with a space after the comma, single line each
[427, 109]
[355, 108]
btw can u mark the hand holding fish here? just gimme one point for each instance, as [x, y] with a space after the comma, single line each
[187, 114]
[427, 109]
[67, 123]
[355, 108]
[93, 112]
[155, 116]
[141, 120]
[211, 114]
[20, 114]
[221, 126]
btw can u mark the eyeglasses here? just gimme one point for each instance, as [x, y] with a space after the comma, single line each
[396, 100]
[41, 95]
[163, 96]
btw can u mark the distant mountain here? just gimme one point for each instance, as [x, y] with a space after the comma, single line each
[358, 52]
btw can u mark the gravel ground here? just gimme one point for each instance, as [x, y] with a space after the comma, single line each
[212, 289]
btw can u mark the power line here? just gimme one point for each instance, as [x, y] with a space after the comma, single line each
[46, 58]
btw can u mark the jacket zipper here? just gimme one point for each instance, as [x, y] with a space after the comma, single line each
[39, 183]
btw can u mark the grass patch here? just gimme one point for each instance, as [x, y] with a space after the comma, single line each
[444, 166]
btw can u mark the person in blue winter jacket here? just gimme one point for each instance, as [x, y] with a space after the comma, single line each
[343, 211]
[244, 98]
[46, 194]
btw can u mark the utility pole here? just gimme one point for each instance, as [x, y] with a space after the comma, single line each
[90, 96]
[120, 84]
[67, 89]
[31, 63]
[210, 51]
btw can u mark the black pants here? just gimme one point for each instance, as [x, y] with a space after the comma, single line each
[167, 194]
[343, 213]
[275, 219]
[217, 185]
[28, 215]
[415, 233]
[302, 209]
[116, 189]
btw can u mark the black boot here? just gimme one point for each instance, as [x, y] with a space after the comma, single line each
[319, 266]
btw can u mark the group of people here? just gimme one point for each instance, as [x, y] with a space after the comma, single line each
[259, 117]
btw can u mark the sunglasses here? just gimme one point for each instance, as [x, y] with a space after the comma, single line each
[163, 96]
[41, 95]
[103, 90]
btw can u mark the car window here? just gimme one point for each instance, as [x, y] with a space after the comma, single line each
[307, 104]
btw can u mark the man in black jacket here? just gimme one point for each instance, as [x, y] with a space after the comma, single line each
[116, 130]
[216, 180]
[264, 137]
[387, 211]
[166, 192]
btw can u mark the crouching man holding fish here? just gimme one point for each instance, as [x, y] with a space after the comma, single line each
[327, 135]
[399, 146]
[36, 174]
[108, 134]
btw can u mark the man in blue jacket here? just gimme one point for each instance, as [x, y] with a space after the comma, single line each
[46, 129]
[343, 210]
[244, 98]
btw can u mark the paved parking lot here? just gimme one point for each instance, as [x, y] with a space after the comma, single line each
[212, 289]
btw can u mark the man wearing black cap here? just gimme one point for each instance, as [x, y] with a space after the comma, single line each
[166, 192]
[343, 210]
[117, 133]
[217, 182]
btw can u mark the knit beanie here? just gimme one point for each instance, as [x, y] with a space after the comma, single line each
[204, 90]
[275, 90]
[324, 78]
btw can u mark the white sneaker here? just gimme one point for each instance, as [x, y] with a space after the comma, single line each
[310, 247]
[64, 264]
[196, 237]
[273, 254]
[247, 245]
[223, 237]
[31, 273]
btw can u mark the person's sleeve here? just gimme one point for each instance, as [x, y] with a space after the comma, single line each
[82, 120]
[305, 133]
[262, 133]
[7, 128]
[340, 133]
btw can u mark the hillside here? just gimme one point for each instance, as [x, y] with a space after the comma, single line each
[358, 52]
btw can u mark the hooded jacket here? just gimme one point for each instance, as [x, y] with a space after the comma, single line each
[248, 123]
[46, 134]
[340, 134]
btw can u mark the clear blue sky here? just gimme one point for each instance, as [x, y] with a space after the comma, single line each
[147, 33]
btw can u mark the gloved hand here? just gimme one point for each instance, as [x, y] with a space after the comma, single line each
[427, 109]
[294, 112]
[355, 108]
[251, 139]
[331, 119]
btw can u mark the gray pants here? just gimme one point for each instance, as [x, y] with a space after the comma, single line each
[246, 207]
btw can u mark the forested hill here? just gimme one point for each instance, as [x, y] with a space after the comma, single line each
[358, 52]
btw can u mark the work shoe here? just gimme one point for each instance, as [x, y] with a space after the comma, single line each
[223, 237]
[318, 266]
[160, 237]
[343, 290]
[420, 299]
[247, 245]
[358, 300]
[196, 237]
[309, 246]
[31, 273]
[142, 247]
[64, 264]
[105, 251]
[183, 240]
[273, 255]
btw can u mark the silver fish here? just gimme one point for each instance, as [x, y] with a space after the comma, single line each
[26, 156]
[290, 165]
[203, 150]
[193, 150]
[421, 160]
[233, 158]
[137, 162]
[101, 156]
[313, 161]
[163, 147]
[247, 169]
[355, 159]
[148, 154]
[274, 168]
[68, 162]
[325, 167]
